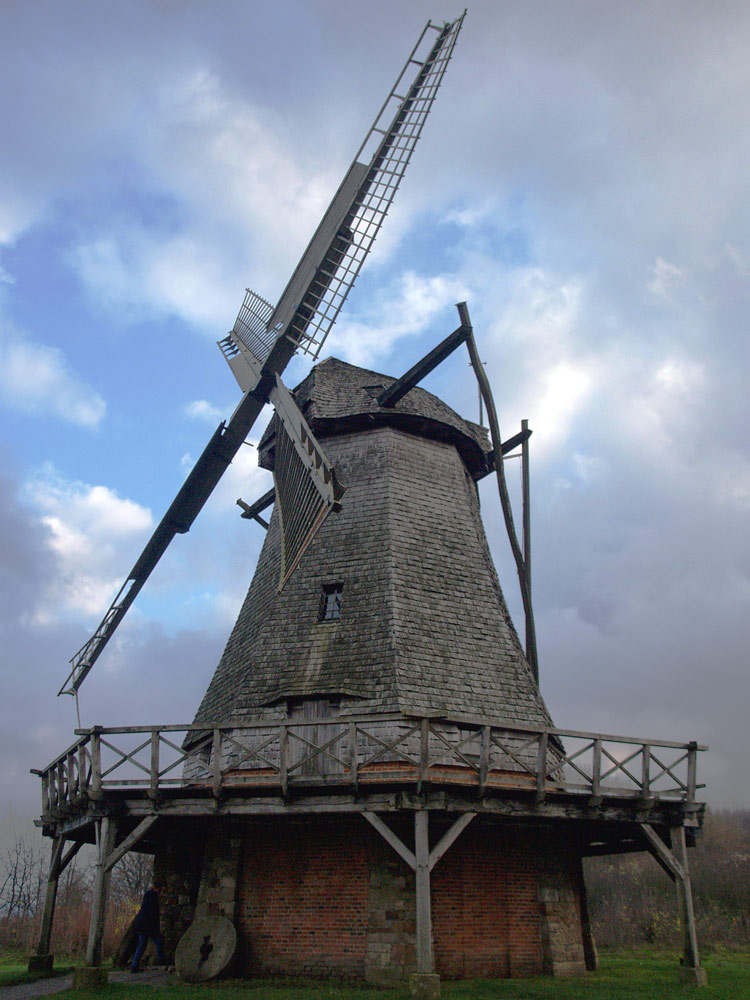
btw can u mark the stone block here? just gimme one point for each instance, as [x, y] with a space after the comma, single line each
[90, 977]
[41, 963]
[424, 986]
[693, 975]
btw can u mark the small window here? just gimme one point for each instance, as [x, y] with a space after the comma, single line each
[330, 602]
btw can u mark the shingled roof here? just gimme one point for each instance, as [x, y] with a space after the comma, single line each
[424, 628]
[337, 396]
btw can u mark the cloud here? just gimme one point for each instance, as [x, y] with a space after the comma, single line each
[402, 309]
[201, 409]
[37, 379]
[91, 531]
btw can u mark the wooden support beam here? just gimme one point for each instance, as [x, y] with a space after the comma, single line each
[50, 898]
[59, 861]
[690, 958]
[675, 863]
[106, 834]
[390, 396]
[390, 837]
[449, 838]
[531, 650]
[251, 511]
[425, 962]
[662, 853]
[129, 842]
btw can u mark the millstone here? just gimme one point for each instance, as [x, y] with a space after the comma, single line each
[206, 949]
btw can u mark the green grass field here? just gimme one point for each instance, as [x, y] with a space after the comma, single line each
[623, 976]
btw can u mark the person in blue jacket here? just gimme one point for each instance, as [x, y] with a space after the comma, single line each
[147, 924]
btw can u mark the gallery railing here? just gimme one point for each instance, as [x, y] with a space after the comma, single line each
[347, 752]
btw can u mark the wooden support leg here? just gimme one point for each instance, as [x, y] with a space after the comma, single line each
[107, 829]
[424, 912]
[424, 985]
[691, 966]
[675, 864]
[42, 960]
[590, 957]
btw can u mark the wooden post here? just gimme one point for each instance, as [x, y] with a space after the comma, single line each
[62, 785]
[484, 759]
[42, 960]
[691, 966]
[216, 753]
[541, 767]
[646, 771]
[590, 957]
[154, 789]
[48, 914]
[284, 759]
[531, 651]
[107, 830]
[424, 753]
[96, 765]
[424, 913]
[596, 772]
[692, 772]
[354, 756]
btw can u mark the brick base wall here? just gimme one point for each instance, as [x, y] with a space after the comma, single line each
[326, 896]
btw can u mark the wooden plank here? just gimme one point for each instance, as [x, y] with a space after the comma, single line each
[129, 842]
[449, 838]
[390, 837]
[364, 720]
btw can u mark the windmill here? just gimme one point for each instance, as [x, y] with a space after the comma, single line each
[372, 786]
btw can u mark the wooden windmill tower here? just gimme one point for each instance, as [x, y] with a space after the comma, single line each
[372, 786]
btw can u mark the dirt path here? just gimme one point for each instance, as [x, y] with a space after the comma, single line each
[47, 987]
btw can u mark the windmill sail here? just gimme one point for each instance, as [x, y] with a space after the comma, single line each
[334, 257]
[306, 486]
[264, 339]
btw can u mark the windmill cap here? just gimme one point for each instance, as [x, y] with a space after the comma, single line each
[338, 398]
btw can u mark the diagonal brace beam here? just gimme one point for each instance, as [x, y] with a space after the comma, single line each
[130, 841]
[422, 368]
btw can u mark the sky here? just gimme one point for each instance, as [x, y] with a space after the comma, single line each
[581, 184]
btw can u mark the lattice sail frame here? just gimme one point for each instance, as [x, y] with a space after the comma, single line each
[306, 486]
[329, 267]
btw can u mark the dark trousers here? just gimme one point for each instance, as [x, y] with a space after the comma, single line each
[141, 947]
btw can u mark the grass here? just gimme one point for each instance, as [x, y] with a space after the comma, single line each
[639, 975]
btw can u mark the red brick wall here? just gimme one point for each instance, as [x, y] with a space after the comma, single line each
[328, 897]
[486, 916]
[303, 898]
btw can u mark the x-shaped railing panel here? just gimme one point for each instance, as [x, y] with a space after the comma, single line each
[318, 750]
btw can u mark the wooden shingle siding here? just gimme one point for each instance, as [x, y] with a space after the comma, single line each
[424, 627]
